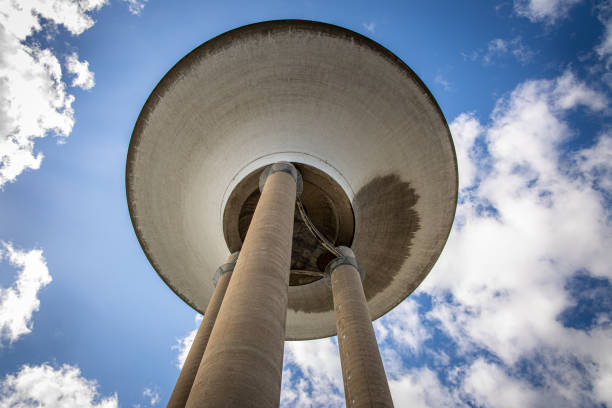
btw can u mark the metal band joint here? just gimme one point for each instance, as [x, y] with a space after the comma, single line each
[284, 167]
[347, 258]
[226, 267]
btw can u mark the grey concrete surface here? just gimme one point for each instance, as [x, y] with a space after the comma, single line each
[303, 92]
[181, 390]
[243, 362]
[363, 374]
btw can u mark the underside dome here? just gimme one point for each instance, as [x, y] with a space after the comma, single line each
[380, 172]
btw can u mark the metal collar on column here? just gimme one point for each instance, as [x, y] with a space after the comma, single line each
[347, 258]
[226, 267]
[284, 167]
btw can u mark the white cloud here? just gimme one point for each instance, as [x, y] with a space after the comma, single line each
[19, 302]
[22, 18]
[421, 388]
[44, 386]
[402, 327]
[595, 163]
[465, 129]
[490, 386]
[532, 219]
[33, 102]
[184, 343]
[135, 6]
[547, 11]
[83, 78]
[569, 92]
[604, 48]
[152, 396]
[33, 98]
[312, 375]
[499, 47]
[440, 80]
[371, 26]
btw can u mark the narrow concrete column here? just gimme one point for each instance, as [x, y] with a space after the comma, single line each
[243, 361]
[365, 382]
[179, 396]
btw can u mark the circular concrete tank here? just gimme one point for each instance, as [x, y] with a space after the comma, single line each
[357, 121]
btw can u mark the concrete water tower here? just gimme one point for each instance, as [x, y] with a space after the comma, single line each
[325, 161]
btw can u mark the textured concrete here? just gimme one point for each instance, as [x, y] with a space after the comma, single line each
[303, 92]
[242, 364]
[365, 382]
[179, 396]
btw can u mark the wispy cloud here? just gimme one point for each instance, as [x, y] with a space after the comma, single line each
[45, 386]
[443, 82]
[152, 396]
[499, 48]
[20, 301]
[136, 6]
[371, 26]
[547, 11]
[34, 98]
[604, 48]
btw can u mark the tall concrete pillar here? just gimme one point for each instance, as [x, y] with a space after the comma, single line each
[242, 364]
[365, 382]
[179, 396]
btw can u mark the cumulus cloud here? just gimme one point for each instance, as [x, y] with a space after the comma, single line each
[465, 129]
[547, 11]
[595, 164]
[19, 302]
[492, 387]
[421, 388]
[533, 219]
[183, 344]
[44, 386]
[34, 101]
[135, 6]
[83, 77]
[402, 327]
[312, 376]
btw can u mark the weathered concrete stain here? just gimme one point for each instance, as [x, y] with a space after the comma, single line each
[387, 223]
[382, 247]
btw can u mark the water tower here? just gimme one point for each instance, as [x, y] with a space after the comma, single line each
[290, 180]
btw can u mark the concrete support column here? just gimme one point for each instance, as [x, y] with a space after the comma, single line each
[179, 396]
[365, 382]
[242, 364]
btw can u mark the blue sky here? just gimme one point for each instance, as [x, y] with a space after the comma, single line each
[516, 312]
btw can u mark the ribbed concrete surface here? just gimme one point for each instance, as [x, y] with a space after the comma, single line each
[179, 396]
[365, 382]
[242, 364]
[303, 92]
